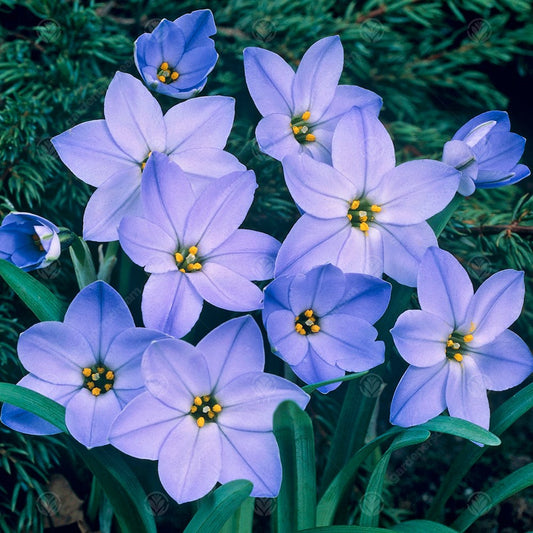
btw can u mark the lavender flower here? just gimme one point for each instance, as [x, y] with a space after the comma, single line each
[111, 154]
[176, 57]
[363, 214]
[207, 415]
[301, 109]
[192, 247]
[29, 241]
[458, 345]
[90, 363]
[486, 153]
[320, 322]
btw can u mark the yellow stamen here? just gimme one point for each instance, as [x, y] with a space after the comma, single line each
[108, 386]
[86, 372]
[201, 422]
[296, 130]
[164, 65]
[110, 375]
[194, 409]
[449, 343]
[161, 78]
[306, 115]
[298, 327]
[375, 208]
[349, 216]
[211, 414]
[197, 401]
[355, 204]
[190, 267]
[174, 76]
[206, 398]
[363, 226]
[193, 250]
[96, 391]
[315, 328]
[217, 408]
[363, 218]
[301, 331]
[458, 357]
[100, 369]
[178, 257]
[90, 385]
[182, 270]
[310, 138]
[309, 313]
[472, 327]
[468, 338]
[197, 266]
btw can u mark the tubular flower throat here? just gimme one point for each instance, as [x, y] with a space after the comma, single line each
[98, 379]
[37, 242]
[306, 323]
[361, 212]
[187, 260]
[455, 344]
[205, 409]
[301, 129]
[166, 74]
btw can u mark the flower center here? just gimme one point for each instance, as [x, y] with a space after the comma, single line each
[301, 128]
[306, 323]
[98, 379]
[187, 260]
[143, 164]
[37, 242]
[205, 409]
[166, 74]
[361, 212]
[455, 344]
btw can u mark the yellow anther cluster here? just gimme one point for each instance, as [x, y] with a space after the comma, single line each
[204, 409]
[468, 338]
[453, 345]
[301, 129]
[186, 260]
[98, 379]
[306, 324]
[37, 242]
[166, 74]
[361, 213]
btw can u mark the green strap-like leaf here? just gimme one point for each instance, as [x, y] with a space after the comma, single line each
[346, 529]
[462, 428]
[218, 507]
[371, 502]
[116, 478]
[242, 519]
[485, 501]
[438, 222]
[82, 262]
[422, 526]
[43, 303]
[510, 411]
[344, 480]
[296, 507]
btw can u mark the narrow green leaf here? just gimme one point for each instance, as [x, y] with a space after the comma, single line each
[462, 428]
[296, 507]
[505, 488]
[82, 262]
[371, 502]
[438, 222]
[422, 526]
[107, 261]
[43, 303]
[116, 478]
[348, 377]
[35, 403]
[346, 529]
[508, 413]
[242, 519]
[217, 507]
[344, 480]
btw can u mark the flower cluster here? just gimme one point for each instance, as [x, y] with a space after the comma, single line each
[167, 190]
